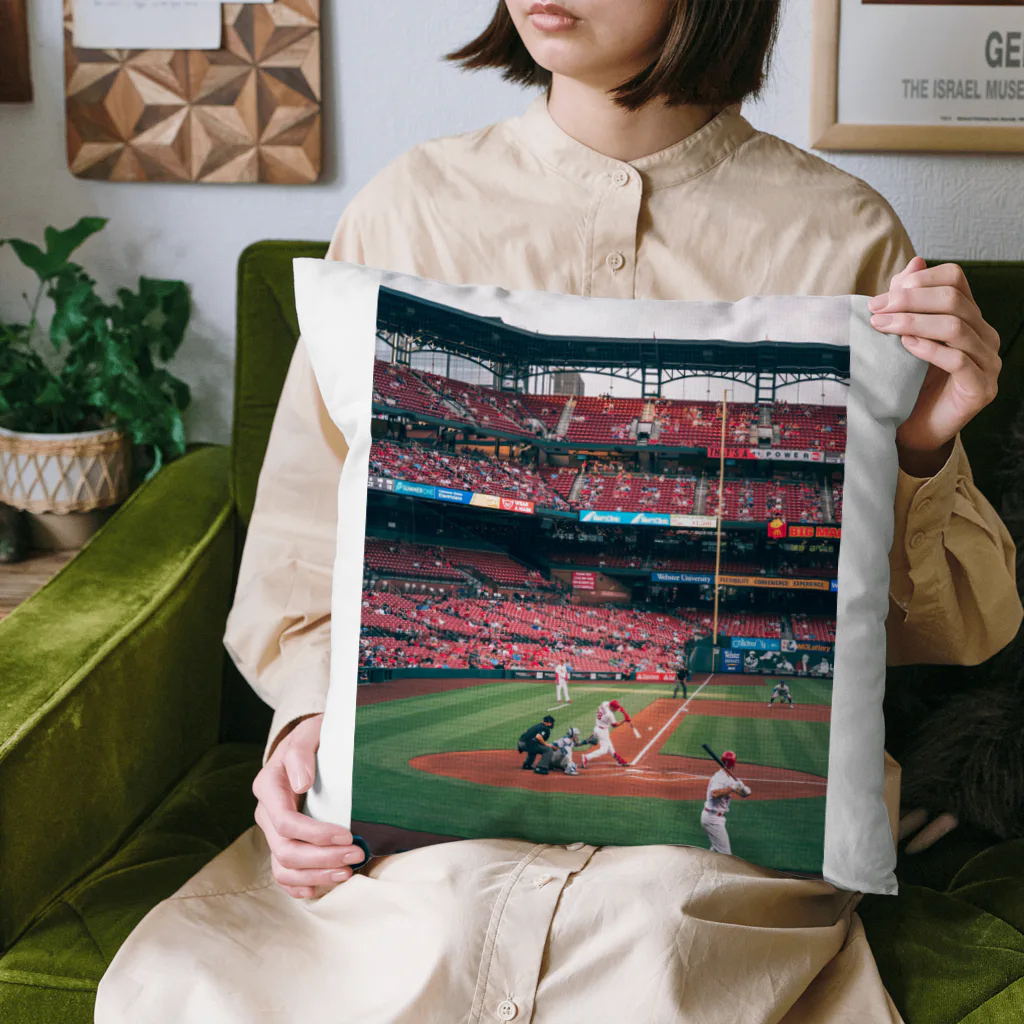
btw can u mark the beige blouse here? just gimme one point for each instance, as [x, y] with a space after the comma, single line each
[725, 213]
[491, 930]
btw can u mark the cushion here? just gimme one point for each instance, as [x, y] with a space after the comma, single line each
[523, 578]
[52, 972]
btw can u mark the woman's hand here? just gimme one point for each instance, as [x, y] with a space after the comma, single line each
[933, 311]
[306, 855]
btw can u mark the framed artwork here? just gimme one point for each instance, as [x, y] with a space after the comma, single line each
[248, 112]
[918, 75]
[15, 80]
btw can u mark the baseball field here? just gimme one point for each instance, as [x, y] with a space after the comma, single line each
[439, 756]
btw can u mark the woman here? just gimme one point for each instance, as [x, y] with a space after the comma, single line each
[635, 176]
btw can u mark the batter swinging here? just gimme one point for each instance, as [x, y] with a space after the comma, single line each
[722, 787]
[603, 726]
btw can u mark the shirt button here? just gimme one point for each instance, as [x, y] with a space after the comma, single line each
[507, 1010]
[615, 260]
[620, 178]
[917, 540]
[573, 847]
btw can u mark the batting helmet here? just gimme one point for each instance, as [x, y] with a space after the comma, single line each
[614, 705]
[729, 759]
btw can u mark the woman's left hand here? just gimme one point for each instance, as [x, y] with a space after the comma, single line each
[933, 311]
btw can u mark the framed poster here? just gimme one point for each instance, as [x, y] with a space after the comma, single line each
[15, 82]
[910, 75]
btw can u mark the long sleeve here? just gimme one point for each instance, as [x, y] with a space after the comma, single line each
[278, 631]
[953, 587]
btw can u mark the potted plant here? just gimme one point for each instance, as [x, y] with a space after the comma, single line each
[86, 414]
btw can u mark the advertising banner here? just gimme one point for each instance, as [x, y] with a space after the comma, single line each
[626, 518]
[584, 580]
[754, 643]
[415, 490]
[773, 583]
[705, 578]
[516, 505]
[692, 522]
[732, 661]
[774, 454]
[485, 501]
[655, 677]
[803, 659]
[777, 529]
[457, 497]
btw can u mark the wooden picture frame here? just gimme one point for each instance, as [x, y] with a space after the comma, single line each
[829, 133]
[15, 72]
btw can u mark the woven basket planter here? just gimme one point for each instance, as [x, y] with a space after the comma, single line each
[63, 472]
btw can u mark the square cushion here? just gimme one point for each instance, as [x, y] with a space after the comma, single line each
[462, 593]
[52, 971]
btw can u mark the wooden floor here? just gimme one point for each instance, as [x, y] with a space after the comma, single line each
[19, 582]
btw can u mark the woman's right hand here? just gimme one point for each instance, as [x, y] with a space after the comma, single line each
[306, 855]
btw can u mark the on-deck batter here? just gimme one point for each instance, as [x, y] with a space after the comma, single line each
[722, 787]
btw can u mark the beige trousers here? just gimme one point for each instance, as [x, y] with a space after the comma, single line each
[488, 930]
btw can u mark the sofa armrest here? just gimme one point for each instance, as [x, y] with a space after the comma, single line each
[110, 682]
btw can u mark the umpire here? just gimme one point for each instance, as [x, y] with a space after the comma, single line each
[534, 743]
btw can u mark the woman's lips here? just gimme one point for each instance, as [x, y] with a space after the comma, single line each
[551, 18]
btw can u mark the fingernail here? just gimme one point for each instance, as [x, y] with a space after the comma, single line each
[339, 876]
[882, 320]
[355, 857]
[878, 302]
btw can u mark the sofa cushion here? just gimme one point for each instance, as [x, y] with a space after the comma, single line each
[52, 972]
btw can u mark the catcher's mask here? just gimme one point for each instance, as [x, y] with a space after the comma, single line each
[573, 734]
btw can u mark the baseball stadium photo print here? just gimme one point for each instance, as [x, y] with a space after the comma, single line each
[599, 586]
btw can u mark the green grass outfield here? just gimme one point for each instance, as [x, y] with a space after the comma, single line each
[785, 834]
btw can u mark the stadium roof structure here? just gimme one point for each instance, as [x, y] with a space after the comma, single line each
[409, 323]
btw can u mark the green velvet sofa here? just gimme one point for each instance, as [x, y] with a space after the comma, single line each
[128, 742]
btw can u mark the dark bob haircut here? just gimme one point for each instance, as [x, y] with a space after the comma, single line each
[715, 53]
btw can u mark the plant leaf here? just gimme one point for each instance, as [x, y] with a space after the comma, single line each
[61, 244]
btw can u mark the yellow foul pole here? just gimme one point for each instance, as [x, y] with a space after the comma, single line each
[721, 506]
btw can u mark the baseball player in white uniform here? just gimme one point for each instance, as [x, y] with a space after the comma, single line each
[562, 682]
[722, 787]
[781, 692]
[603, 726]
[822, 668]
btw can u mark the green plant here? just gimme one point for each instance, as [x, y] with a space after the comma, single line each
[102, 370]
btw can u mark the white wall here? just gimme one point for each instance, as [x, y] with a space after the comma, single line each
[385, 90]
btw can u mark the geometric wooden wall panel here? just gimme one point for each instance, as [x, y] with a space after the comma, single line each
[248, 112]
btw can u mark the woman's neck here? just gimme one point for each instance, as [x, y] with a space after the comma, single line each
[593, 118]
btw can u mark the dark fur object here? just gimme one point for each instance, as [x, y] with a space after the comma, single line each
[13, 535]
[958, 732]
